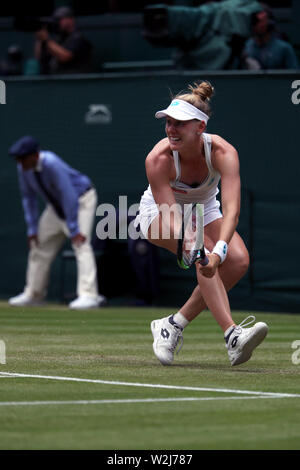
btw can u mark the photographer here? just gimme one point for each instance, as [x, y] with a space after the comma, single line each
[13, 62]
[69, 53]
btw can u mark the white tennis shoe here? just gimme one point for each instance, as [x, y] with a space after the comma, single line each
[84, 302]
[23, 300]
[166, 334]
[241, 342]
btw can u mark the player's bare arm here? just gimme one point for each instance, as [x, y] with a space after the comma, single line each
[160, 171]
[225, 160]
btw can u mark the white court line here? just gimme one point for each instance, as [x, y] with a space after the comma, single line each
[129, 400]
[136, 384]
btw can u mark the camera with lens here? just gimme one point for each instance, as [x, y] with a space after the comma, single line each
[155, 25]
[210, 36]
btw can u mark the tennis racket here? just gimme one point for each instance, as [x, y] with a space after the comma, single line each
[191, 242]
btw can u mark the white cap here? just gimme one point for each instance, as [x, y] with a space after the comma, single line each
[182, 111]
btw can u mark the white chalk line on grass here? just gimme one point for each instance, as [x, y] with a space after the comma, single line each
[147, 385]
[129, 400]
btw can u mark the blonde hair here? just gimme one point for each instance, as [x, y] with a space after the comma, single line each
[199, 96]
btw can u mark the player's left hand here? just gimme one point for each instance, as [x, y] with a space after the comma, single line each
[210, 269]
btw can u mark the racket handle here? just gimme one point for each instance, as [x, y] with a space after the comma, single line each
[204, 261]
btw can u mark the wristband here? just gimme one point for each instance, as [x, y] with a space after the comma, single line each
[220, 249]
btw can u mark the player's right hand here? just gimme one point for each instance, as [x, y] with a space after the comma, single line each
[32, 241]
[210, 269]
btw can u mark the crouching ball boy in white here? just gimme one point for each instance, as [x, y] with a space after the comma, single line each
[184, 168]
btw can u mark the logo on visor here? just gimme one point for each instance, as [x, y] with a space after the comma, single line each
[174, 103]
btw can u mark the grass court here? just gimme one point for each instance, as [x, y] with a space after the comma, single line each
[89, 380]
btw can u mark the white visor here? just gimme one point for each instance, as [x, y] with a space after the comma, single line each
[182, 111]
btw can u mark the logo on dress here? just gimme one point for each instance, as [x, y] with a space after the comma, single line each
[179, 191]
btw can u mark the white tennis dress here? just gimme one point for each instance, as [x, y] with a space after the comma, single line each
[205, 193]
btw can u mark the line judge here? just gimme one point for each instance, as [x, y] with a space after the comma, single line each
[71, 202]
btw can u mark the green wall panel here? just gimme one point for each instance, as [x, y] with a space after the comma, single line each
[252, 111]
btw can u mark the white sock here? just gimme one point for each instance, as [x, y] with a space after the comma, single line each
[228, 330]
[180, 320]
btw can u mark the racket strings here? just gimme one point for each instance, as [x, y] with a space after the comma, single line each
[189, 249]
[190, 245]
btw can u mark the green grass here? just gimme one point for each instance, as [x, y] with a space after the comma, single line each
[115, 344]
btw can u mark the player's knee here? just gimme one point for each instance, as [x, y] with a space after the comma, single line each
[242, 262]
[238, 260]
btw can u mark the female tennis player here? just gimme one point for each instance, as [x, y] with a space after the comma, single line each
[187, 167]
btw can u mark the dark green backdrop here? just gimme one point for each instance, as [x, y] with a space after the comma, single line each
[254, 112]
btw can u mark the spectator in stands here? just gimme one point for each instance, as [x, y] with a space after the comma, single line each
[13, 63]
[70, 209]
[70, 52]
[265, 49]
